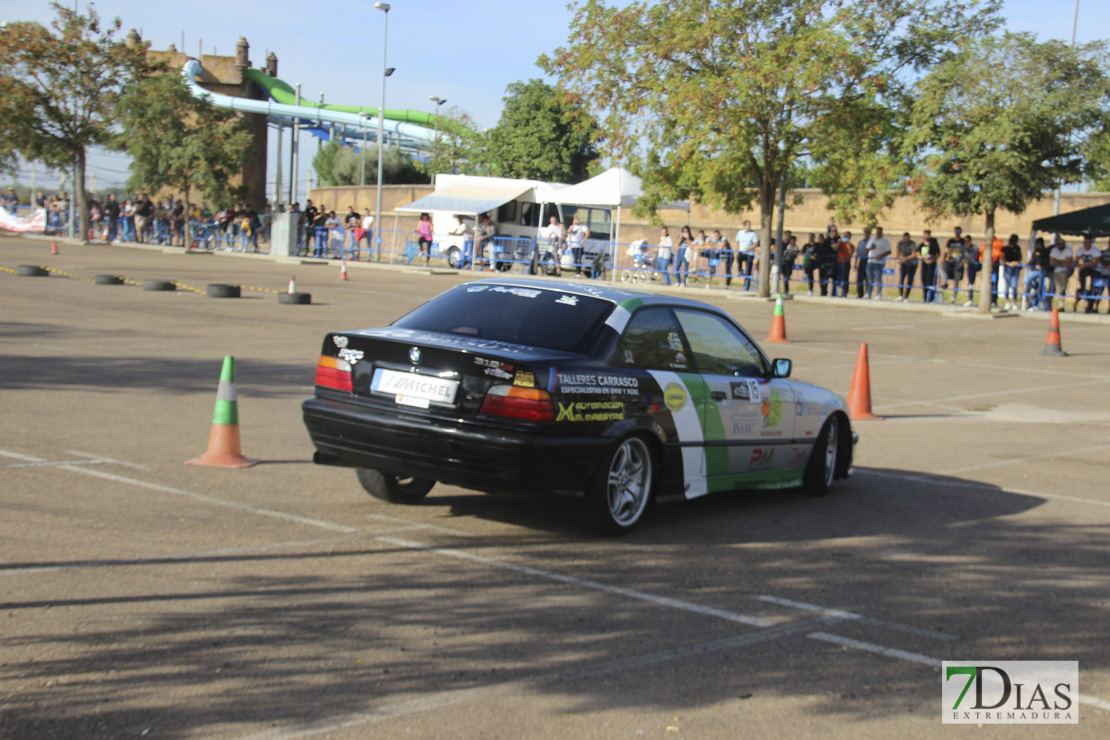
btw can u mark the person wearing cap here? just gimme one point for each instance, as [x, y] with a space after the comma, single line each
[10, 201]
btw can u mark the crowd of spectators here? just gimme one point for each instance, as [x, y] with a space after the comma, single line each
[169, 222]
[322, 233]
[1036, 277]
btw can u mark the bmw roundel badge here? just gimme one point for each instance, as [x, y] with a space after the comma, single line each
[414, 355]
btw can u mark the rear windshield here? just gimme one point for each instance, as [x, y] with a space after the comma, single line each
[536, 317]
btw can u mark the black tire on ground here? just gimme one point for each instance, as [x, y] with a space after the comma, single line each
[395, 489]
[219, 290]
[298, 299]
[454, 257]
[621, 489]
[158, 285]
[821, 469]
[108, 280]
[32, 271]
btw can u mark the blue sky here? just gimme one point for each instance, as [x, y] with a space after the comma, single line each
[466, 52]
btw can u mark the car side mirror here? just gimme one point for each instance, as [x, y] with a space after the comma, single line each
[780, 368]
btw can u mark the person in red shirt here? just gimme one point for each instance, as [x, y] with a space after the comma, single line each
[844, 251]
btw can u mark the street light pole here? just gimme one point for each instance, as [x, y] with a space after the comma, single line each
[435, 114]
[384, 7]
[362, 177]
[435, 111]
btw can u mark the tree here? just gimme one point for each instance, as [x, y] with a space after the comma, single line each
[456, 148]
[542, 136]
[59, 87]
[180, 142]
[1097, 156]
[338, 165]
[1000, 124]
[719, 100]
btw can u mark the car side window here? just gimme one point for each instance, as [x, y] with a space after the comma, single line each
[652, 340]
[719, 348]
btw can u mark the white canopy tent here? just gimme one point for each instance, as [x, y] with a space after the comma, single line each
[616, 188]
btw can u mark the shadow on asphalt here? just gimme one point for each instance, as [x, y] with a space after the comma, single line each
[381, 625]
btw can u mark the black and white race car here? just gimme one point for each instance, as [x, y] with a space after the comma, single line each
[611, 396]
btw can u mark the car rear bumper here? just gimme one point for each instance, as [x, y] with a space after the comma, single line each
[484, 457]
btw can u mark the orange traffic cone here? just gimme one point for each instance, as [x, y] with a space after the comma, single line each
[53, 246]
[1052, 346]
[224, 450]
[343, 270]
[292, 285]
[778, 325]
[859, 395]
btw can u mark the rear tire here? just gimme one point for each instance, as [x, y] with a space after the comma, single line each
[395, 489]
[621, 489]
[822, 466]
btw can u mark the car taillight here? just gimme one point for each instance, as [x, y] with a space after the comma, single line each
[531, 404]
[332, 372]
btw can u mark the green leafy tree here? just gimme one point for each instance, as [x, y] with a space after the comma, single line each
[338, 165]
[542, 136]
[456, 148]
[720, 100]
[1004, 122]
[179, 142]
[59, 87]
[1097, 155]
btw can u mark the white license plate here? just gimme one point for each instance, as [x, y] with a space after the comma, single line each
[413, 386]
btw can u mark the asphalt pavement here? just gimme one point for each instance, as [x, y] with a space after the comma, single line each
[142, 597]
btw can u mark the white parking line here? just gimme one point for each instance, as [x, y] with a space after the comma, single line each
[188, 494]
[583, 583]
[838, 614]
[51, 464]
[112, 460]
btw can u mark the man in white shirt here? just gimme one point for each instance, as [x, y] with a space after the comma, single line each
[556, 234]
[1060, 260]
[746, 242]
[577, 235]
[878, 249]
[462, 228]
[1086, 258]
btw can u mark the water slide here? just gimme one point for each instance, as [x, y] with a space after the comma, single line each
[410, 128]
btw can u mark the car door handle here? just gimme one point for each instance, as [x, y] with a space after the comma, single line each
[718, 395]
